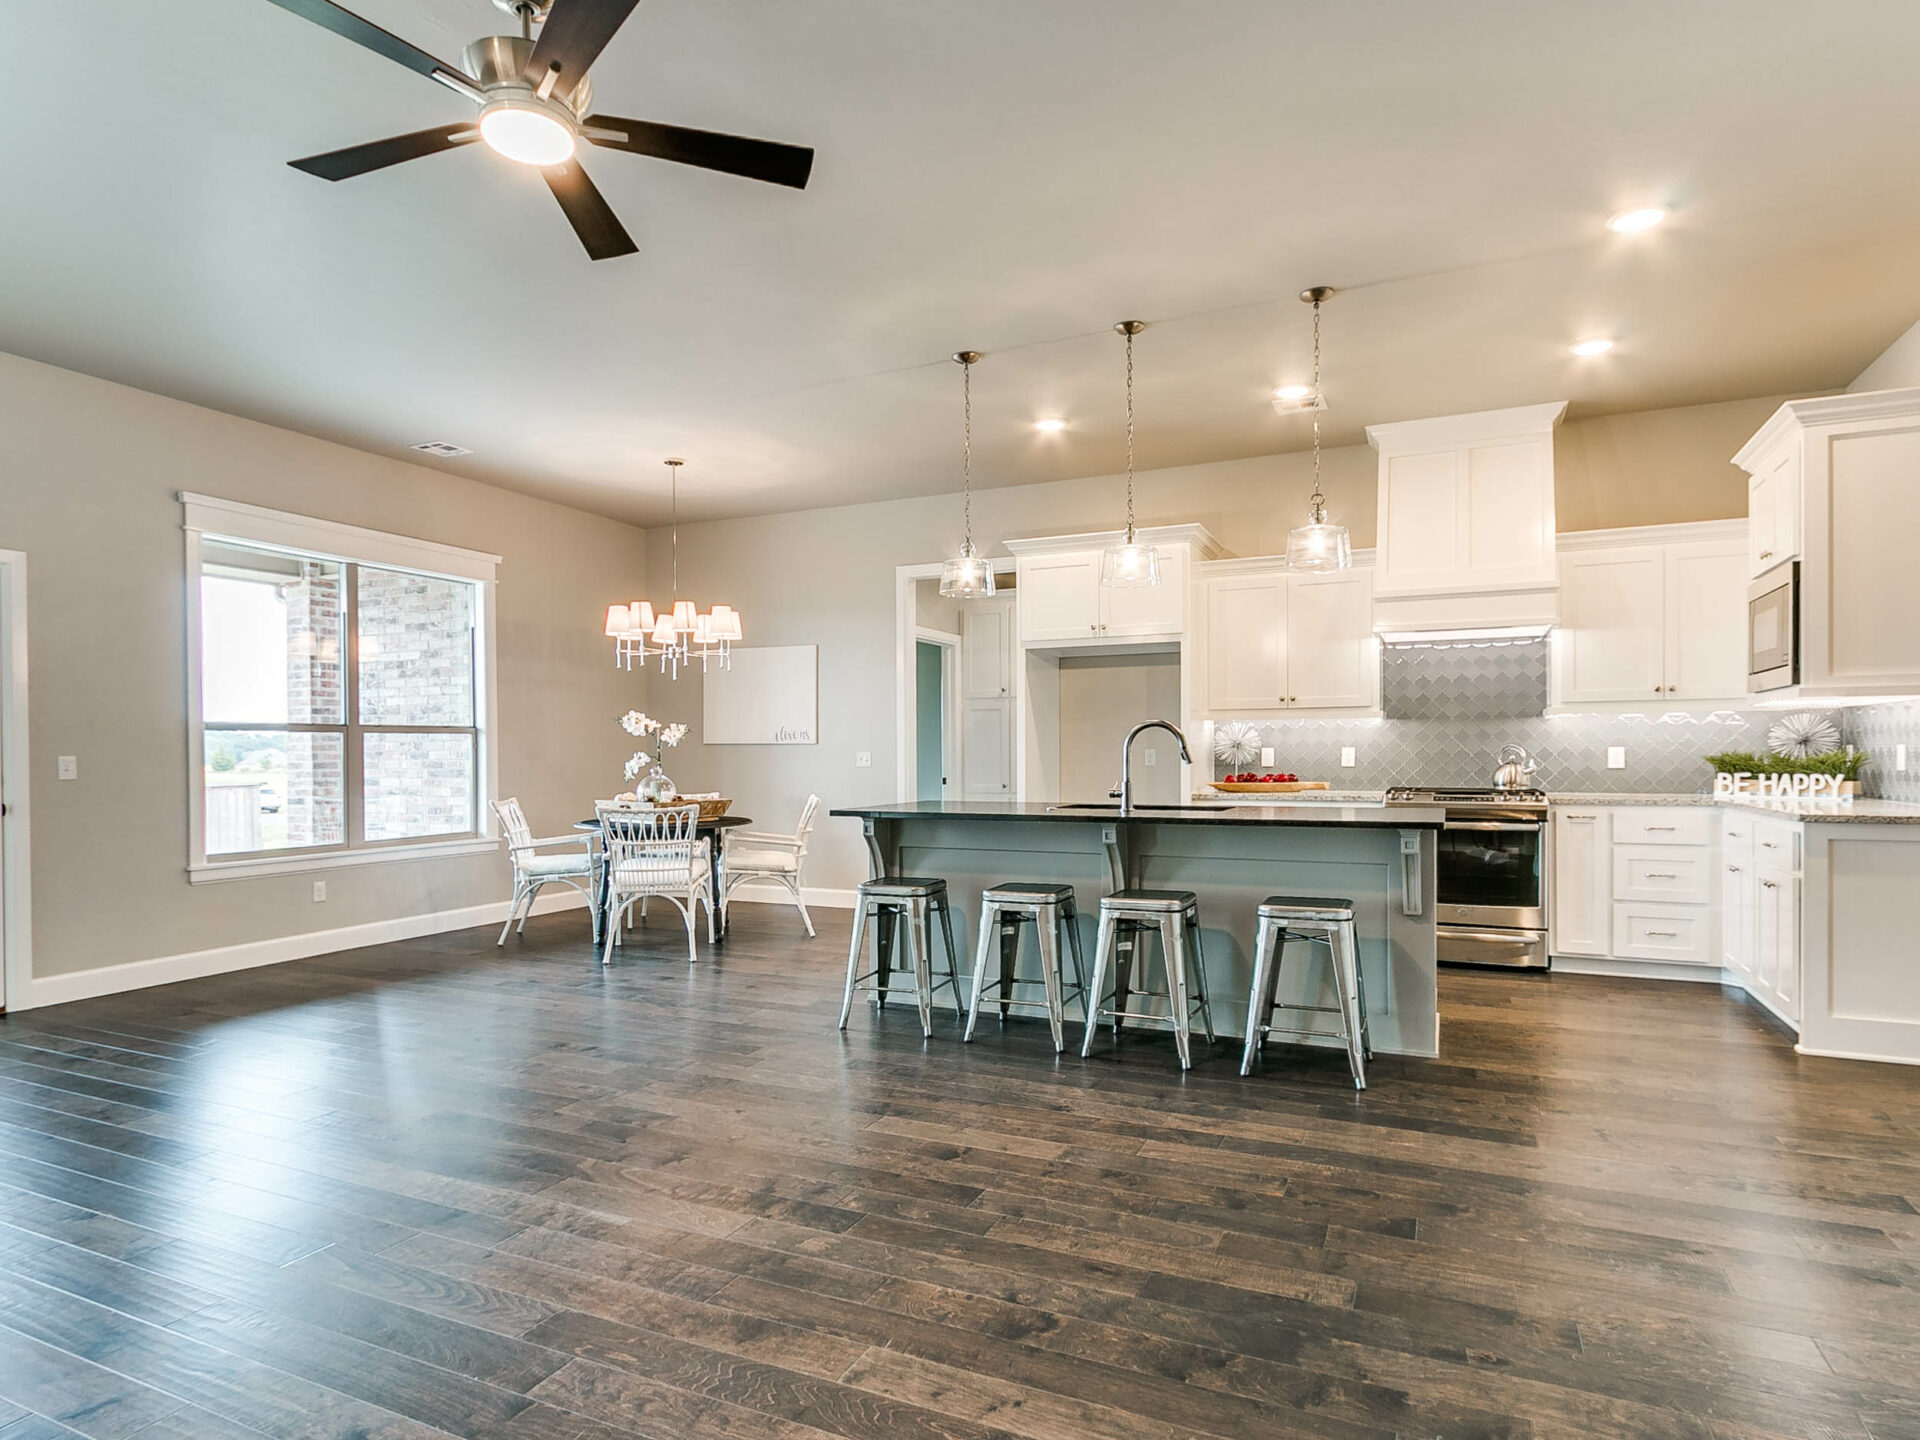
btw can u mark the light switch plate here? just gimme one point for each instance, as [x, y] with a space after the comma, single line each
[1616, 757]
[1899, 757]
[319, 891]
[1266, 754]
[1153, 756]
[67, 767]
[863, 759]
[1347, 757]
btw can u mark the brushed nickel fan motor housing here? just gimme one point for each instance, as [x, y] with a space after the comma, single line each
[536, 10]
[499, 63]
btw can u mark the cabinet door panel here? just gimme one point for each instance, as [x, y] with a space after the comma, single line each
[1706, 622]
[1674, 873]
[1332, 659]
[986, 749]
[1582, 911]
[1421, 544]
[986, 650]
[1059, 596]
[1148, 609]
[1509, 512]
[1246, 642]
[1681, 934]
[1737, 906]
[1612, 637]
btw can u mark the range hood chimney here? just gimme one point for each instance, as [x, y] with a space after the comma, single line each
[1466, 538]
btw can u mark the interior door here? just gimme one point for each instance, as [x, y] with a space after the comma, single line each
[1247, 642]
[1706, 621]
[1611, 644]
[1333, 660]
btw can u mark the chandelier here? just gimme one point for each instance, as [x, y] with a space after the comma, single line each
[677, 634]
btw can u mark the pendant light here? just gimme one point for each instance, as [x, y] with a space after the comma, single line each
[678, 634]
[1130, 563]
[1316, 545]
[968, 575]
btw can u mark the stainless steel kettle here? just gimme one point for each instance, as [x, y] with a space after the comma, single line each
[1515, 768]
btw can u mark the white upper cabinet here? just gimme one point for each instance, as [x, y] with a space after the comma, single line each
[1833, 484]
[1281, 641]
[986, 649]
[1466, 506]
[1061, 602]
[1652, 623]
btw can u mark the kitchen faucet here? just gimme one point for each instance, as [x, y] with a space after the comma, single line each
[1125, 792]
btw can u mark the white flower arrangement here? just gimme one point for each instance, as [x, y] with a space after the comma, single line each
[639, 761]
[638, 723]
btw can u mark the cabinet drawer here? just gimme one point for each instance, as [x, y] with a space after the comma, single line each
[1736, 833]
[1676, 874]
[1691, 826]
[1776, 843]
[1682, 934]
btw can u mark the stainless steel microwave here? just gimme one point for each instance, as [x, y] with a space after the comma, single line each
[1773, 629]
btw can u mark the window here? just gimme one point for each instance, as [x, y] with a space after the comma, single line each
[340, 694]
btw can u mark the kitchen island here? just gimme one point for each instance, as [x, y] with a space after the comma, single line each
[1232, 856]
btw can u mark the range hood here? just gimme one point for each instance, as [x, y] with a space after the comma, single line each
[1466, 528]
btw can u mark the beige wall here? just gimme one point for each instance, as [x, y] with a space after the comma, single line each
[826, 577]
[1101, 698]
[88, 476]
[1896, 367]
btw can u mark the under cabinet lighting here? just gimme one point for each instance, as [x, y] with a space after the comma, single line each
[1632, 222]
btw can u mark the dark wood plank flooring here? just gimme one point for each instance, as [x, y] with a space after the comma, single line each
[438, 1189]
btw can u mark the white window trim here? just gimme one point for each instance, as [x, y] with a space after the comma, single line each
[232, 520]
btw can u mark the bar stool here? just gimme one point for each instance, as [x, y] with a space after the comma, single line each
[902, 906]
[1174, 915]
[1319, 920]
[1004, 909]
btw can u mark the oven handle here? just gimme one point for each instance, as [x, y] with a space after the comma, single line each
[1512, 826]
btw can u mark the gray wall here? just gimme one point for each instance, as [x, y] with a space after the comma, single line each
[1101, 698]
[88, 475]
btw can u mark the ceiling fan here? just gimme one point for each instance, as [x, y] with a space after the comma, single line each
[534, 101]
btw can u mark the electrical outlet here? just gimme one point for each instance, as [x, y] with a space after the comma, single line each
[1153, 756]
[1616, 757]
[863, 759]
[319, 891]
[1347, 759]
[1899, 757]
[67, 767]
[1266, 755]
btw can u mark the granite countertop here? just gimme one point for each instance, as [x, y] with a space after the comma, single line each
[1825, 812]
[1614, 797]
[1213, 812]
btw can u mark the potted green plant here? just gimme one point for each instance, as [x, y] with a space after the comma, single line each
[1847, 764]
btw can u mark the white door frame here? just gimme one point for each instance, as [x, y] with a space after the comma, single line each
[950, 757]
[16, 849]
[906, 628]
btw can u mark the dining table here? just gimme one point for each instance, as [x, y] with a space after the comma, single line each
[709, 830]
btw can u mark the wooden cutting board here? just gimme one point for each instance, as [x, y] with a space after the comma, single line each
[1268, 787]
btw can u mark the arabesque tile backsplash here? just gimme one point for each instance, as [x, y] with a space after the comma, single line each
[1449, 708]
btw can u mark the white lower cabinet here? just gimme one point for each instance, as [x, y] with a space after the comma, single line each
[1775, 918]
[986, 749]
[1634, 883]
[1678, 934]
[1582, 882]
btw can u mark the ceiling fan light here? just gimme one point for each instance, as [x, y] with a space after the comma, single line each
[528, 133]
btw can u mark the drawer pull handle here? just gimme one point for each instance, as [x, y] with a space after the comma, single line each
[1733, 869]
[1768, 845]
[1665, 934]
[1659, 827]
[1769, 885]
[1661, 875]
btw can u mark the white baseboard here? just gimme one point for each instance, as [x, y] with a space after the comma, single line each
[1642, 970]
[779, 895]
[198, 964]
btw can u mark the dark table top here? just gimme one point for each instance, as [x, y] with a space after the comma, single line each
[725, 822]
[1322, 813]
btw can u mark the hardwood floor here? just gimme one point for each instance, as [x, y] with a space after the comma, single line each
[434, 1188]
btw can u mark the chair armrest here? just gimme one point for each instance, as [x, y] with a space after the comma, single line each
[763, 840]
[583, 838]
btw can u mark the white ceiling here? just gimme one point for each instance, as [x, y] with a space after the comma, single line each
[998, 174]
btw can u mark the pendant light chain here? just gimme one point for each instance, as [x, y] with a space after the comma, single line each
[1129, 436]
[1319, 501]
[966, 452]
[673, 512]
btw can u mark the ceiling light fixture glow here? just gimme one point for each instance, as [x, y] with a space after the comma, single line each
[1596, 346]
[1050, 427]
[526, 133]
[1632, 222]
[1293, 392]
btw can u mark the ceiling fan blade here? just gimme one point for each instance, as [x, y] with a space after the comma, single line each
[575, 33]
[768, 160]
[378, 154]
[381, 42]
[587, 210]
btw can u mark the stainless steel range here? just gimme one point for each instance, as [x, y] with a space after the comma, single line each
[1492, 901]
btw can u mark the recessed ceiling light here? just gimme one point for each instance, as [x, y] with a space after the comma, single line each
[1293, 392]
[1631, 222]
[1050, 426]
[443, 449]
[1595, 346]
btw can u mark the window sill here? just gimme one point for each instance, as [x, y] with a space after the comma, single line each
[214, 871]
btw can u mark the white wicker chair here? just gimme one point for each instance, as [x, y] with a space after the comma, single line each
[532, 870]
[760, 855]
[655, 852]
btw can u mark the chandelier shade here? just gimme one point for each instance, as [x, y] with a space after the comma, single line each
[677, 634]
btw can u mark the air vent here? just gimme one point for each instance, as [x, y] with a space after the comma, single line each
[444, 449]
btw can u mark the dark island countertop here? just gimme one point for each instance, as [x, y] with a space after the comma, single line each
[1377, 817]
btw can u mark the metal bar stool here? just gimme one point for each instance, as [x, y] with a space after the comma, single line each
[1320, 920]
[1004, 910]
[1174, 915]
[902, 907]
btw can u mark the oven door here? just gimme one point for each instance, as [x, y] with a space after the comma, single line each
[1773, 629]
[1489, 874]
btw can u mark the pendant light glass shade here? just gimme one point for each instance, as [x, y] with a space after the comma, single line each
[968, 575]
[1317, 546]
[1132, 563]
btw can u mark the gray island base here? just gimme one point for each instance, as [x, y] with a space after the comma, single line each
[1381, 857]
